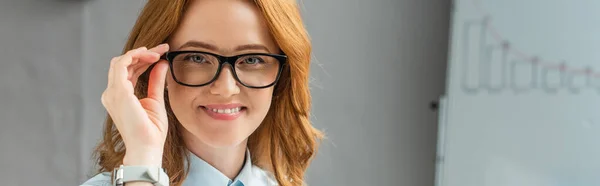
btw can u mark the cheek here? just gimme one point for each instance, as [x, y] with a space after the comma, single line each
[260, 100]
[181, 99]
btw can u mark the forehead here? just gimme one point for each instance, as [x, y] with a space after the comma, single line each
[225, 24]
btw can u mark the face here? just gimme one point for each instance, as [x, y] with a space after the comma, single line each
[224, 112]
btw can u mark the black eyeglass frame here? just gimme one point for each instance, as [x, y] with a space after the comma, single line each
[281, 58]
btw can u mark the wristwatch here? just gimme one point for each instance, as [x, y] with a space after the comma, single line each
[154, 175]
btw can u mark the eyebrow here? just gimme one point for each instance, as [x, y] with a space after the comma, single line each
[208, 46]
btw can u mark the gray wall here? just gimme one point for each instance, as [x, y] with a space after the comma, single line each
[40, 86]
[377, 65]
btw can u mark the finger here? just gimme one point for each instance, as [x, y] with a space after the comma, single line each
[141, 60]
[138, 69]
[135, 50]
[132, 69]
[156, 84]
[151, 58]
[135, 74]
[133, 56]
[159, 50]
[147, 57]
[117, 62]
[120, 68]
[110, 74]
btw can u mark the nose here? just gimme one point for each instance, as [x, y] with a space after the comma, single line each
[225, 85]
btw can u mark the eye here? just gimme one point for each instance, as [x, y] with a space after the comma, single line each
[253, 60]
[195, 58]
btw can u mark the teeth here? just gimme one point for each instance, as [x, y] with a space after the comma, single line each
[226, 111]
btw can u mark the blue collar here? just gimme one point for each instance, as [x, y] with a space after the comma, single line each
[202, 173]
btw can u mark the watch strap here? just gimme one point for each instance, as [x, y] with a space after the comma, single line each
[154, 175]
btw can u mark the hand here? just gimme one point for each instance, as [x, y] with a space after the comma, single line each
[142, 123]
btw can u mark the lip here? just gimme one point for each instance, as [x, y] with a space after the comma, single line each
[223, 106]
[223, 116]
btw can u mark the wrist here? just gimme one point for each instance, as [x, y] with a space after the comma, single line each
[143, 159]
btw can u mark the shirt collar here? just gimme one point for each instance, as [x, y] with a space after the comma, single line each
[202, 173]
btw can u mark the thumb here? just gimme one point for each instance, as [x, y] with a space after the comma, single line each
[156, 81]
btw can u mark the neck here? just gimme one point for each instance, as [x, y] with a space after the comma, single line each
[228, 160]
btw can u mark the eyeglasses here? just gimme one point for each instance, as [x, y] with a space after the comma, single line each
[253, 70]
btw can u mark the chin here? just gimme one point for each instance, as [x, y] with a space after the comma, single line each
[222, 140]
[218, 134]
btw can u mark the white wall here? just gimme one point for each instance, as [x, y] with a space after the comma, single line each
[534, 124]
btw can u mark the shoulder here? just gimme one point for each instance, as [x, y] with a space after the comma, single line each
[263, 177]
[101, 179]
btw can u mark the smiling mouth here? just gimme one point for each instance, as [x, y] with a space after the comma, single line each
[230, 112]
[234, 110]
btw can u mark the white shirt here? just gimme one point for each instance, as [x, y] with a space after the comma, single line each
[203, 174]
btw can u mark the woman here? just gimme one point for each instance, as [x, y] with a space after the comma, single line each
[223, 101]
